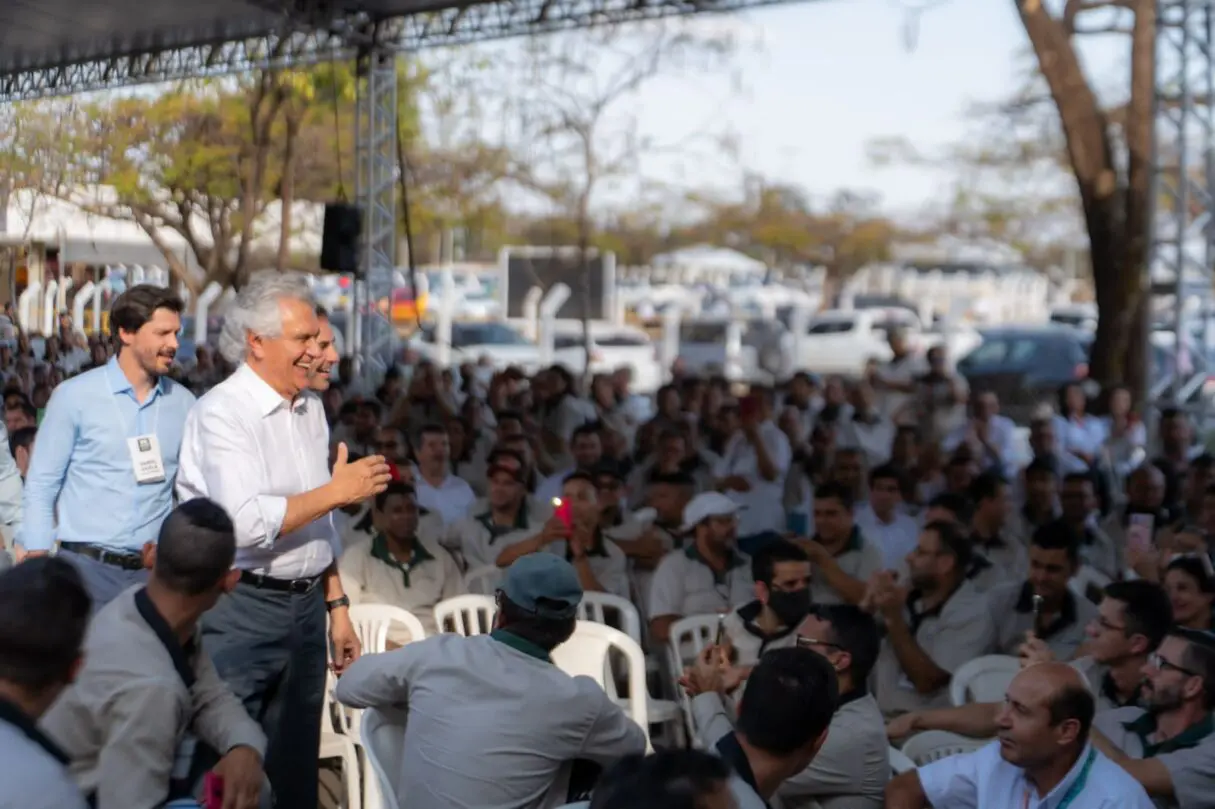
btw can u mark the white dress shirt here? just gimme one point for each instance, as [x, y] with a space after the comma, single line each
[248, 449]
[763, 507]
[984, 779]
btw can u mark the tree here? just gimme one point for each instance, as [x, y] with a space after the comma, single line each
[570, 134]
[36, 146]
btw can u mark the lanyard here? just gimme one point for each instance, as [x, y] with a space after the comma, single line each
[138, 408]
[1076, 786]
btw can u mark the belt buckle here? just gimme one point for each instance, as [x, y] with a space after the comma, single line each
[301, 586]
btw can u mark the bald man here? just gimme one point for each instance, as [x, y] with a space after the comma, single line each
[1042, 756]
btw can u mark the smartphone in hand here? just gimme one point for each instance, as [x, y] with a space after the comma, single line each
[213, 791]
[1139, 532]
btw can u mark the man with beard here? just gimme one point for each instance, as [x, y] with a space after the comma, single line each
[931, 630]
[1168, 746]
[108, 453]
[1042, 757]
[782, 599]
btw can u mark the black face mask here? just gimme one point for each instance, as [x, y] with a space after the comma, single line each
[790, 606]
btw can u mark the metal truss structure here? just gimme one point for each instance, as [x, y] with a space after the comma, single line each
[403, 26]
[1183, 225]
[376, 171]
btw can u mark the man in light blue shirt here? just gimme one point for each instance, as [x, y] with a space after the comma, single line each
[107, 450]
[1042, 758]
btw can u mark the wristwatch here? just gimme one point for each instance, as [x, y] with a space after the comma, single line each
[337, 603]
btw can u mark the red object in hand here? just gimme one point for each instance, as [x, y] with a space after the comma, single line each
[564, 512]
[213, 791]
[394, 472]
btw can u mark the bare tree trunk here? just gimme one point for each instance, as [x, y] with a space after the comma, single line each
[1116, 211]
[287, 194]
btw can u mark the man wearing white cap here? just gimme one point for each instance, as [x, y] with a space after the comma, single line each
[491, 721]
[708, 575]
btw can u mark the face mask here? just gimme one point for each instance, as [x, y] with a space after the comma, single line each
[790, 606]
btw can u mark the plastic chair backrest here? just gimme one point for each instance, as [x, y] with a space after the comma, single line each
[934, 745]
[984, 679]
[899, 762]
[467, 615]
[602, 608]
[384, 744]
[483, 580]
[689, 636]
[371, 622]
[587, 653]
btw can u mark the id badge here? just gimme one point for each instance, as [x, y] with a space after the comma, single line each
[145, 459]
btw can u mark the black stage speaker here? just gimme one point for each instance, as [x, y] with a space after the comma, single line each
[341, 237]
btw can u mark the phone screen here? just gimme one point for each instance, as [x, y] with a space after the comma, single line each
[213, 791]
[1139, 531]
[563, 512]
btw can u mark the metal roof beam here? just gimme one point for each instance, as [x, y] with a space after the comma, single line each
[342, 36]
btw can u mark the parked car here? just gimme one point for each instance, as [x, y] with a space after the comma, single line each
[612, 347]
[1026, 365]
[741, 350]
[470, 341]
[844, 341]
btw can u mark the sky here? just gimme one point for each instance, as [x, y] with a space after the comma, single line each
[812, 83]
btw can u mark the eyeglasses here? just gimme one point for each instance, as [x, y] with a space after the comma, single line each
[1104, 624]
[1158, 662]
[804, 642]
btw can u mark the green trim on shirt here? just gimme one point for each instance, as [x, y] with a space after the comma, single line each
[496, 531]
[733, 560]
[379, 550]
[1145, 726]
[520, 644]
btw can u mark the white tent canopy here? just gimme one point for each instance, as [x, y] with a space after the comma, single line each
[705, 258]
[87, 238]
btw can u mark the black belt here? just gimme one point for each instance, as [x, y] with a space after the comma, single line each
[264, 582]
[126, 561]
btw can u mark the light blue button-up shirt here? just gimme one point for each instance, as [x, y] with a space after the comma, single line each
[984, 780]
[82, 465]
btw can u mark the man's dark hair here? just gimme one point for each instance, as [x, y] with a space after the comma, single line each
[499, 454]
[955, 504]
[1057, 536]
[765, 560]
[669, 779]
[856, 632]
[27, 409]
[398, 488]
[508, 415]
[547, 633]
[196, 547]
[791, 696]
[1078, 477]
[658, 478]
[23, 438]
[954, 541]
[592, 428]
[1073, 701]
[1203, 463]
[135, 307]
[44, 612]
[431, 428]
[1199, 658]
[587, 476]
[1040, 466]
[1146, 609]
[371, 406]
[1171, 412]
[886, 471]
[985, 487]
[833, 490]
[322, 312]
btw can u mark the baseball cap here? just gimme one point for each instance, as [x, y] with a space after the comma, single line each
[545, 584]
[706, 505]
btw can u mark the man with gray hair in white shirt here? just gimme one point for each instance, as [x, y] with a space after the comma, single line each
[258, 444]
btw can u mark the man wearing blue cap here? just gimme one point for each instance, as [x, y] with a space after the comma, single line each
[491, 722]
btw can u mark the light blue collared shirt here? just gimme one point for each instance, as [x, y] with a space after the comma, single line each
[82, 468]
[984, 779]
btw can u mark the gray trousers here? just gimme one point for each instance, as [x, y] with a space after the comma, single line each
[271, 649]
[103, 582]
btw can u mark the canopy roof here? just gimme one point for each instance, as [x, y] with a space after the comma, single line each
[59, 47]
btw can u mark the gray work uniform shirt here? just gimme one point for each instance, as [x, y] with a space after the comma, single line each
[685, 585]
[860, 559]
[33, 769]
[1189, 757]
[129, 720]
[491, 722]
[1012, 611]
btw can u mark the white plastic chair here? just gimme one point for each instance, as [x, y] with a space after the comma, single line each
[899, 762]
[587, 653]
[339, 746]
[483, 580]
[467, 615]
[1085, 578]
[688, 638]
[934, 745]
[384, 745]
[984, 679]
[371, 622]
[600, 608]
